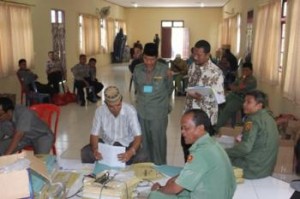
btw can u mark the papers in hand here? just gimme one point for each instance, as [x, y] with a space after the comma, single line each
[206, 91]
[110, 155]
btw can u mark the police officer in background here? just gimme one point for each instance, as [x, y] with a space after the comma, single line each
[257, 152]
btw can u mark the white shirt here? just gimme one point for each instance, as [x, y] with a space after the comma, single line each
[122, 128]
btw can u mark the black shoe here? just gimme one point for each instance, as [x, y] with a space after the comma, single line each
[82, 103]
[180, 94]
[91, 99]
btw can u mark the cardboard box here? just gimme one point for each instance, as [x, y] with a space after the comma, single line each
[16, 184]
[285, 157]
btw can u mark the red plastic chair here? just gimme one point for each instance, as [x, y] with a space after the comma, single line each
[49, 113]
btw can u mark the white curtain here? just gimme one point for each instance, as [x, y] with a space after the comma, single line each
[103, 35]
[291, 86]
[16, 40]
[90, 35]
[230, 33]
[110, 34]
[266, 49]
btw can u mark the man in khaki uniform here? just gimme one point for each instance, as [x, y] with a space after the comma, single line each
[154, 88]
[208, 173]
[257, 152]
[235, 99]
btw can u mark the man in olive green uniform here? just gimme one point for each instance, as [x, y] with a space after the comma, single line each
[257, 152]
[208, 173]
[179, 68]
[235, 99]
[153, 84]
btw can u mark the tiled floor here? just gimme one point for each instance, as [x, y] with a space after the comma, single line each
[76, 121]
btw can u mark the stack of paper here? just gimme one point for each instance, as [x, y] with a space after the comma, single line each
[206, 91]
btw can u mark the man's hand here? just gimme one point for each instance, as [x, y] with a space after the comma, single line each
[156, 186]
[124, 157]
[97, 155]
[195, 95]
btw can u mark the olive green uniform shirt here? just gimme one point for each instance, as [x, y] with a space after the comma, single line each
[249, 82]
[208, 173]
[154, 104]
[257, 152]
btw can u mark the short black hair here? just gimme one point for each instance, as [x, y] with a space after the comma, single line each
[248, 65]
[82, 55]
[200, 118]
[260, 97]
[150, 49]
[6, 104]
[203, 44]
[92, 59]
[21, 61]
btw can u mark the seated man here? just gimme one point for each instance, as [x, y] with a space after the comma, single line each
[179, 69]
[29, 79]
[54, 71]
[29, 130]
[257, 151]
[115, 123]
[208, 173]
[98, 86]
[81, 76]
[235, 98]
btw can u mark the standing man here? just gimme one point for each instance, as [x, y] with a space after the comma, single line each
[154, 88]
[208, 173]
[256, 154]
[115, 123]
[156, 40]
[81, 76]
[29, 130]
[203, 72]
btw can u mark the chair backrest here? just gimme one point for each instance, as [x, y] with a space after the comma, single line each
[49, 113]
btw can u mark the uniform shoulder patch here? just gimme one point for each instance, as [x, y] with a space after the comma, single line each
[189, 158]
[248, 126]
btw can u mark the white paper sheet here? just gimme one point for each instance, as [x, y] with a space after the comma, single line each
[205, 91]
[110, 155]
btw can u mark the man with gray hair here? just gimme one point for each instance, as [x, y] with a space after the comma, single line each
[115, 123]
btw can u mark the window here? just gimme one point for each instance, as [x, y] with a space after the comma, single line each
[283, 32]
[103, 33]
[89, 34]
[16, 41]
[174, 24]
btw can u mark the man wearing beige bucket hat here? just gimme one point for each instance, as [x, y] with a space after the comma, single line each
[115, 123]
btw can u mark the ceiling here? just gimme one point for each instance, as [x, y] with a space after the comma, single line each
[169, 3]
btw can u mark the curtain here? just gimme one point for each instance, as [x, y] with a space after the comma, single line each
[90, 35]
[225, 32]
[16, 39]
[58, 40]
[230, 34]
[266, 49]
[110, 34]
[103, 35]
[292, 70]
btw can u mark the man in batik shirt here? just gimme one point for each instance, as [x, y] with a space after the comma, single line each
[203, 72]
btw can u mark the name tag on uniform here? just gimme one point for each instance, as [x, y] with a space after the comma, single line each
[148, 88]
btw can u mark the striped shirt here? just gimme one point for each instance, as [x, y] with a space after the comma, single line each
[122, 128]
